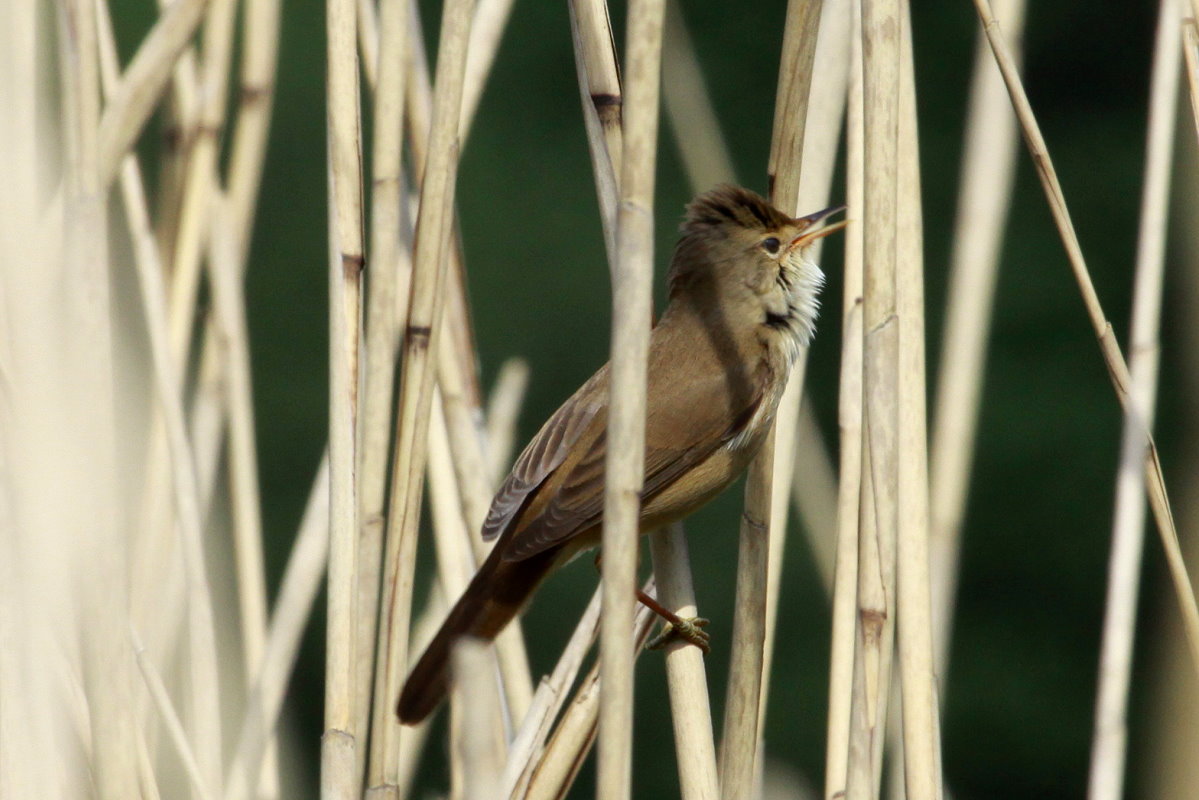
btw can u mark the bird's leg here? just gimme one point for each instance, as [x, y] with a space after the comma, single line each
[689, 629]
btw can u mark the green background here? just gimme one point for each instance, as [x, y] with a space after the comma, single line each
[1019, 699]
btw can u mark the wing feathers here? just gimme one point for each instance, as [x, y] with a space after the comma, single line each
[700, 397]
[545, 453]
[578, 503]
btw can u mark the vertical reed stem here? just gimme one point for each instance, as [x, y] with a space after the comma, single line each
[876, 575]
[739, 743]
[632, 305]
[391, 265]
[1109, 746]
[686, 679]
[433, 230]
[921, 731]
[849, 414]
[988, 173]
[341, 737]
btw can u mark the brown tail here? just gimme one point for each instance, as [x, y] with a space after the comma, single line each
[495, 595]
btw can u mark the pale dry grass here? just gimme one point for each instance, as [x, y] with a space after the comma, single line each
[115, 689]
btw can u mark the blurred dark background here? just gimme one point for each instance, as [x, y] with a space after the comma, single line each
[1018, 707]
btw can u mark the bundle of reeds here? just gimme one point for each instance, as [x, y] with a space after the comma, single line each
[129, 465]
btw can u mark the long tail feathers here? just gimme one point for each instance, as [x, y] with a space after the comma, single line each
[495, 595]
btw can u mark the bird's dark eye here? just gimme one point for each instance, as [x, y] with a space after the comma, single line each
[770, 245]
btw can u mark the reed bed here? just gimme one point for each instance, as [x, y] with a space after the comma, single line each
[146, 654]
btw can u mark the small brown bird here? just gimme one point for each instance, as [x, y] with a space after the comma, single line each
[743, 297]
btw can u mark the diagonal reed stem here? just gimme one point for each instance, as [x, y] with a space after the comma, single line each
[1113, 358]
[554, 772]
[133, 99]
[1109, 746]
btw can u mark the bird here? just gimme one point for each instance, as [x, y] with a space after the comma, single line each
[742, 300]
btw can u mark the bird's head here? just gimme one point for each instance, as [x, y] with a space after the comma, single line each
[750, 260]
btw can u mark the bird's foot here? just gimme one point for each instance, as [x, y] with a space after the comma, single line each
[687, 629]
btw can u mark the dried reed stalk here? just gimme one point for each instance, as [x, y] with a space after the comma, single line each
[260, 51]
[27, 735]
[346, 261]
[87, 358]
[478, 745]
[881, 33]
[226, 273]
[554, 771]
[179, 119]
[702, 145]
[145, 777]
[792, 465]
[202, 663]
[529, 740]
[1190, 48]
[475, 490]
[988, 174]
[558, 767]
[599, 86]
[486, 31]
[134, 99]
[260, 36]
[921, 731]
[419, 115]
[228, 254]
[162, 701]
[293, 608]
[874, 640]
[632, 305]
[1110, 349]
[738, 745]
[455, 561]
[685, 675]
[455, 357]
[707, 162]
[456, 565]
[739, 742]
[462, 403]
[849, 416]
[1170, 770]
[200, 180]
[187, 178]
[1109, 746]
[814, 492]
[416, 388]
[386, 287]
[423, 630]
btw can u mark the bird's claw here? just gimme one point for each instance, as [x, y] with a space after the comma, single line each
[688, 629]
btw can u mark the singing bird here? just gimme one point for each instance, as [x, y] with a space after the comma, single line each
[743, 295]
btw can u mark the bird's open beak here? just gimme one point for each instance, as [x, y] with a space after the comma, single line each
[809, 236]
